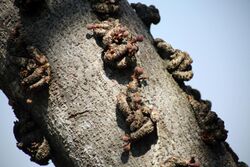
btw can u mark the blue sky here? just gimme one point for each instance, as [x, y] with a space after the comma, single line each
[217, 36]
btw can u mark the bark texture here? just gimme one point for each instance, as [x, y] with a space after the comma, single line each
[78, 114]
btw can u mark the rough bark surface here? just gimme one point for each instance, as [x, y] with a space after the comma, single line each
[78, 114]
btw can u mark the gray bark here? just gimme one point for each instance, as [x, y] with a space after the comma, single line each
[78, 114]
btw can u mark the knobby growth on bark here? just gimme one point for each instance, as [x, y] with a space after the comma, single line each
[84, 76]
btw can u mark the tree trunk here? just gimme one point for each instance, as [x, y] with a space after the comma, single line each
[78, 114]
